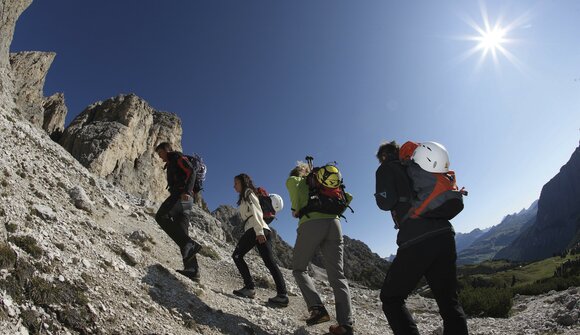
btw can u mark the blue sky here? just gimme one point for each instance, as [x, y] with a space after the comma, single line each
[261, 84]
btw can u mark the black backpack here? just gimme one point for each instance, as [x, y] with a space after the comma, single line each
[198, 164]
[266, 205]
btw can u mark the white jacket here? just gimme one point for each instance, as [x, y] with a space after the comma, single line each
[252, 214]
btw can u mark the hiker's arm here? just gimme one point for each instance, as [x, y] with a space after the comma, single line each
[292, 186]
[385, 191]
[257, 219]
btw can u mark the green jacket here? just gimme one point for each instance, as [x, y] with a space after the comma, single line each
[299, 197]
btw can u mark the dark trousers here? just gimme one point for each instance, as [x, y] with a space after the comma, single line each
[245, 244]
[435, 259]
[173, 221]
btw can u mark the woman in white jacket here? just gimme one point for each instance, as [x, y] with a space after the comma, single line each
[257, 233]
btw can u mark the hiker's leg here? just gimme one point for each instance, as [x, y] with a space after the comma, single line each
[245, 244]
[332, 250]
[267, 255]
[173, 228]
[309, 237]
[405, 272]
[442, 279]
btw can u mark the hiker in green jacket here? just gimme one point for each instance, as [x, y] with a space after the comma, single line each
[316, 230]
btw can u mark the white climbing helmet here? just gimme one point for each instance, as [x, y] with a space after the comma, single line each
[431, 157]
[277, 202]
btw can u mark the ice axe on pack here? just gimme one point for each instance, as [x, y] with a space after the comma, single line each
[309, 159]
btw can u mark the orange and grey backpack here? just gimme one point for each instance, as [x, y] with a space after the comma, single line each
[426, 194]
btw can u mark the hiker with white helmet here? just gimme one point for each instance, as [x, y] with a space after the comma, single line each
[417, 187]
[257, 233]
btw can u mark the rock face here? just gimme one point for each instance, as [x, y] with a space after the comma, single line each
[362, 265]
[116, 139]
[10, 10]
[29, 71]
[54, 114]
[498, 237]
[557, 225]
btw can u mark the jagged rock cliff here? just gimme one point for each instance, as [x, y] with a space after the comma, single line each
[29, 70]
[557, 224]
[116, 139]
[498, 237]
[463, 241]
[10, 10]
[55, 111]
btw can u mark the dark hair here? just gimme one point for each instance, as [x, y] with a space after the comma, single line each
[247, 183]
[165, 146]
[388, 149]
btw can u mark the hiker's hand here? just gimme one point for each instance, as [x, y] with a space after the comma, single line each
[261, 239]
[185, 197]
[295, 214]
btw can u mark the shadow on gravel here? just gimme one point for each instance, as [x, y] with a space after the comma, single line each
[169, 291]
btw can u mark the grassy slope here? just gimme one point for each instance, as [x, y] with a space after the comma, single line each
[501, 271]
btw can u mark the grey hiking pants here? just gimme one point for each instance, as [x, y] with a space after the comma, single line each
[327, 234]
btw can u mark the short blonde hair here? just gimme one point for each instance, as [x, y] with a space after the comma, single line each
[300, 170]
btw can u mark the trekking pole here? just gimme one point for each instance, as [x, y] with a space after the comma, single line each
[309, 159]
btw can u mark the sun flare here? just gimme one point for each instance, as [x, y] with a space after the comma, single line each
[492, 40]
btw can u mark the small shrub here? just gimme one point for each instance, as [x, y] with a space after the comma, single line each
[486, 302]
[208, 251]
[10, 227]
[28, 244]
[7, 256]
[78, 318]
[548, 284]
[190, 324]
[32, 321]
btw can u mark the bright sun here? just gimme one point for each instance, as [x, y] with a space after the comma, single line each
[492, 40]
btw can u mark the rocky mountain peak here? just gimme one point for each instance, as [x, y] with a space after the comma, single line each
[116, 139]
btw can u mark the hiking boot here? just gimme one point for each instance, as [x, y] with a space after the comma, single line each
[341, 330]
[245, 292]
[189, 251]
[279, 300]
[318, 314]
[192, 274]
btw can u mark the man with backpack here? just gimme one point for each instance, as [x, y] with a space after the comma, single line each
[172, 216]
[318, 200]
[426, 240]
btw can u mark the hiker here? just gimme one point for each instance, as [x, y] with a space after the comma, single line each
[172, 215]
[316, 229]
[257, 233]
[426, 245]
